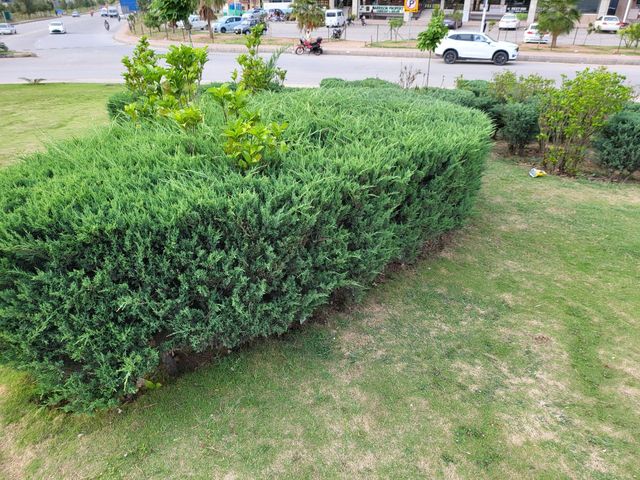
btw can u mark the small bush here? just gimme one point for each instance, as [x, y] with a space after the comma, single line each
[618, 144]
[465, 98]
[117, 102]
[366, 83]
[574, 114]
[484, 99]
[631, 107]
[144, 243]
[520, 122]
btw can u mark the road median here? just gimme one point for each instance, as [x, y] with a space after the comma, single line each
[353, 48]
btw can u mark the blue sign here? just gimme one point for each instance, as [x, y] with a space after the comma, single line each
[129, 6]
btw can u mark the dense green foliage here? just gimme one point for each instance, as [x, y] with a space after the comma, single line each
[256, 73]
[164, 91]
[618, 144]
[139, 242]
[366, 83]
[572, 115]
[460, 97]
[117, 102]
[520, 122]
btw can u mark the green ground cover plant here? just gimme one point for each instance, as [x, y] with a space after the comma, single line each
[180, 251]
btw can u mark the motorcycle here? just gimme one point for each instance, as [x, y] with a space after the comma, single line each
[309, 47]
[336, 33]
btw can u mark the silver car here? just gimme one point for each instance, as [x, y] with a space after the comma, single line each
[7, 29]
[226, 24]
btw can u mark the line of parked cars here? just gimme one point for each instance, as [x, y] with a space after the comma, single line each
[239, 24]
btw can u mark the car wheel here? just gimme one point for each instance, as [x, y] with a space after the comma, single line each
[223, 30]
[450, 56]
[500, 58]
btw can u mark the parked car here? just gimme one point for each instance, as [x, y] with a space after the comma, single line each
[75, 14]
[245, 26]
[7, 29]
[257, 12]
[452, 23]
[104, 12]
[57, 27]
[533, 35]
[608, 23]
[475, 46]
[113, 12]
[226, 24]
[509, 21]
[196, 23]
[334, 18]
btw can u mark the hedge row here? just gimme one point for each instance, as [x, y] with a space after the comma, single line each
[135, 242]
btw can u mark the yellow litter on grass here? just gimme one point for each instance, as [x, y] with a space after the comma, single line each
[534, 172]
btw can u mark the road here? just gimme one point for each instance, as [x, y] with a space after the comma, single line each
[88, 53]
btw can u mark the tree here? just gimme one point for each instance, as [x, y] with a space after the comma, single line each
[308, 14]
[174, 11]
[207, 11]
[394, 26]
[557, 17]
[430, 38]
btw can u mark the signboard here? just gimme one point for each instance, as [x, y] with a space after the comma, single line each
[388, 9]
[410, 6]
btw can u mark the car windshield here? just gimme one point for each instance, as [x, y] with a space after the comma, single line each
[56, 24]
[610, 19]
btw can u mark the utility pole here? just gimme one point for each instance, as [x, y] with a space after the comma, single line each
[484, 15]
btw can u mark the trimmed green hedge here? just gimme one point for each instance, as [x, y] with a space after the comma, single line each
[131, 243]
[366, 83]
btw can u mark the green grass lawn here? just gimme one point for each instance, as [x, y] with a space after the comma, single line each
[33, 115]
[513, 353]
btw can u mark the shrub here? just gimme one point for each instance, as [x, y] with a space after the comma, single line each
[573, 114]
[631, 35]
[520, 122]
[117, 102]
[145, 243]
[366, 83]
[255, 73]
[484, 99]
[632, 107]
[507, 87]
[465, 98]
[618, 144]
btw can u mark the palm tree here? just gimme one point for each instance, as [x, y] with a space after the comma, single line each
[557, 17]
[207, 11]
[309, 15]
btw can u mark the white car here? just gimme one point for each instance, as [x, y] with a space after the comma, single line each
[104, 12]
[226, 24]
[533, 35]
[75, 14]
[7, 29]
[334, 18]
[195, 22]
[475, 46]
[509, 21]
[57, 27]
[608, 23]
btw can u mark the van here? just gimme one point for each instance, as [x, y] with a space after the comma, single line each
[113, 12]
[334, 18]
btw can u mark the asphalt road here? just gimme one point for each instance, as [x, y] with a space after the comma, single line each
[88, 53]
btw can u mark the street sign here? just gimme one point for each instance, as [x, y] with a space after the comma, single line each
[410, 6]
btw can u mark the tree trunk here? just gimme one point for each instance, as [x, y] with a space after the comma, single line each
[428, 68]
[554, 40]
[210, 30]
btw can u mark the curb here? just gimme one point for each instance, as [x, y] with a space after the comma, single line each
[124, 36]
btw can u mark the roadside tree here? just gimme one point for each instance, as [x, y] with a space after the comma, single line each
[308, 14]
[430, 38]
[557, 17]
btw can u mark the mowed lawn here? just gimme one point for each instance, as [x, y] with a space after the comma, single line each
[33, 115]
[512, 353]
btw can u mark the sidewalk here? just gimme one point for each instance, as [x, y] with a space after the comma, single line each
[358, 49]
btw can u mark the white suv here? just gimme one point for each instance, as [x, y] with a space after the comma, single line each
[475, 46]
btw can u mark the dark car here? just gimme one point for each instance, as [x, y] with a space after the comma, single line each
[452, 23]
